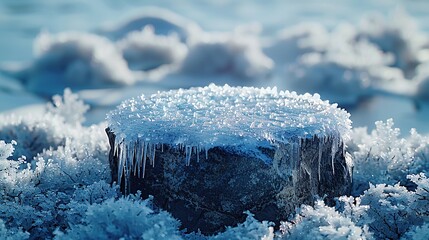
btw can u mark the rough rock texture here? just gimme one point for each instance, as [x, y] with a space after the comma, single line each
[213, 192]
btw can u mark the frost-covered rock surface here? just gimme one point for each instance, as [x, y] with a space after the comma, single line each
[289, 147]
[216, 116]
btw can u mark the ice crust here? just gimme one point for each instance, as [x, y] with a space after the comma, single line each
[238, 118]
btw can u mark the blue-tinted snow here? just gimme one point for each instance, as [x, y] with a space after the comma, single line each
[22, 22]
[77, 60]
[226, 116]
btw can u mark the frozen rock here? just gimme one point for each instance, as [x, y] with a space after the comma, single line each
[209, 154]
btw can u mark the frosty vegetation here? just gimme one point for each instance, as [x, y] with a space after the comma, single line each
[54, 171]
[62, 191]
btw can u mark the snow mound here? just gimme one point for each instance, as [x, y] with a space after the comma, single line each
[76, 60]
[346, 70]
[297, 40]
[163, 21]
[235, 54]
[399, 34]
[243, 118]
[422, 82]
[144, 50]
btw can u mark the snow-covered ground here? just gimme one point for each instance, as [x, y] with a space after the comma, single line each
[370, 57]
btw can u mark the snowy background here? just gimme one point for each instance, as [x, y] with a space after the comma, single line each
[370, 57]
[345, 50]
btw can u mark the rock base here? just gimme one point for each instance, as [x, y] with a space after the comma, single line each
[214, 192]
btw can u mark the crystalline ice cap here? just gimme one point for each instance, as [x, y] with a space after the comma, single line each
[244, 118]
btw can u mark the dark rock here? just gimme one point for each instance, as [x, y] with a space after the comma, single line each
[214, 192]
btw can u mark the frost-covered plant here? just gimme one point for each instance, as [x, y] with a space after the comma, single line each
[394, 209]
[58, 125]
[144, 50]
[322, 222]
[6, 149]
[11, 235]
[384, 157]
[418, 233]
[32, 134]
[69, 106]
[249, 229]
[38, 198]
[47, 192]
[125, 218]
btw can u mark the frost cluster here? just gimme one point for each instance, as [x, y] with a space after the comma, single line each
[384, 157]
[66, 165]
[125, 218]
[381, 212]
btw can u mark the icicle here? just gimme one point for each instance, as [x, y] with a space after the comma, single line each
[116, 146]
[198, 151]
[335, 143]
[295, 154]
[320, 157]
[206, 152]
[139, 156]
[130, 157]
[121, 162]
[188, 153]
[144, 157]
[135, 159]
[153, 155]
